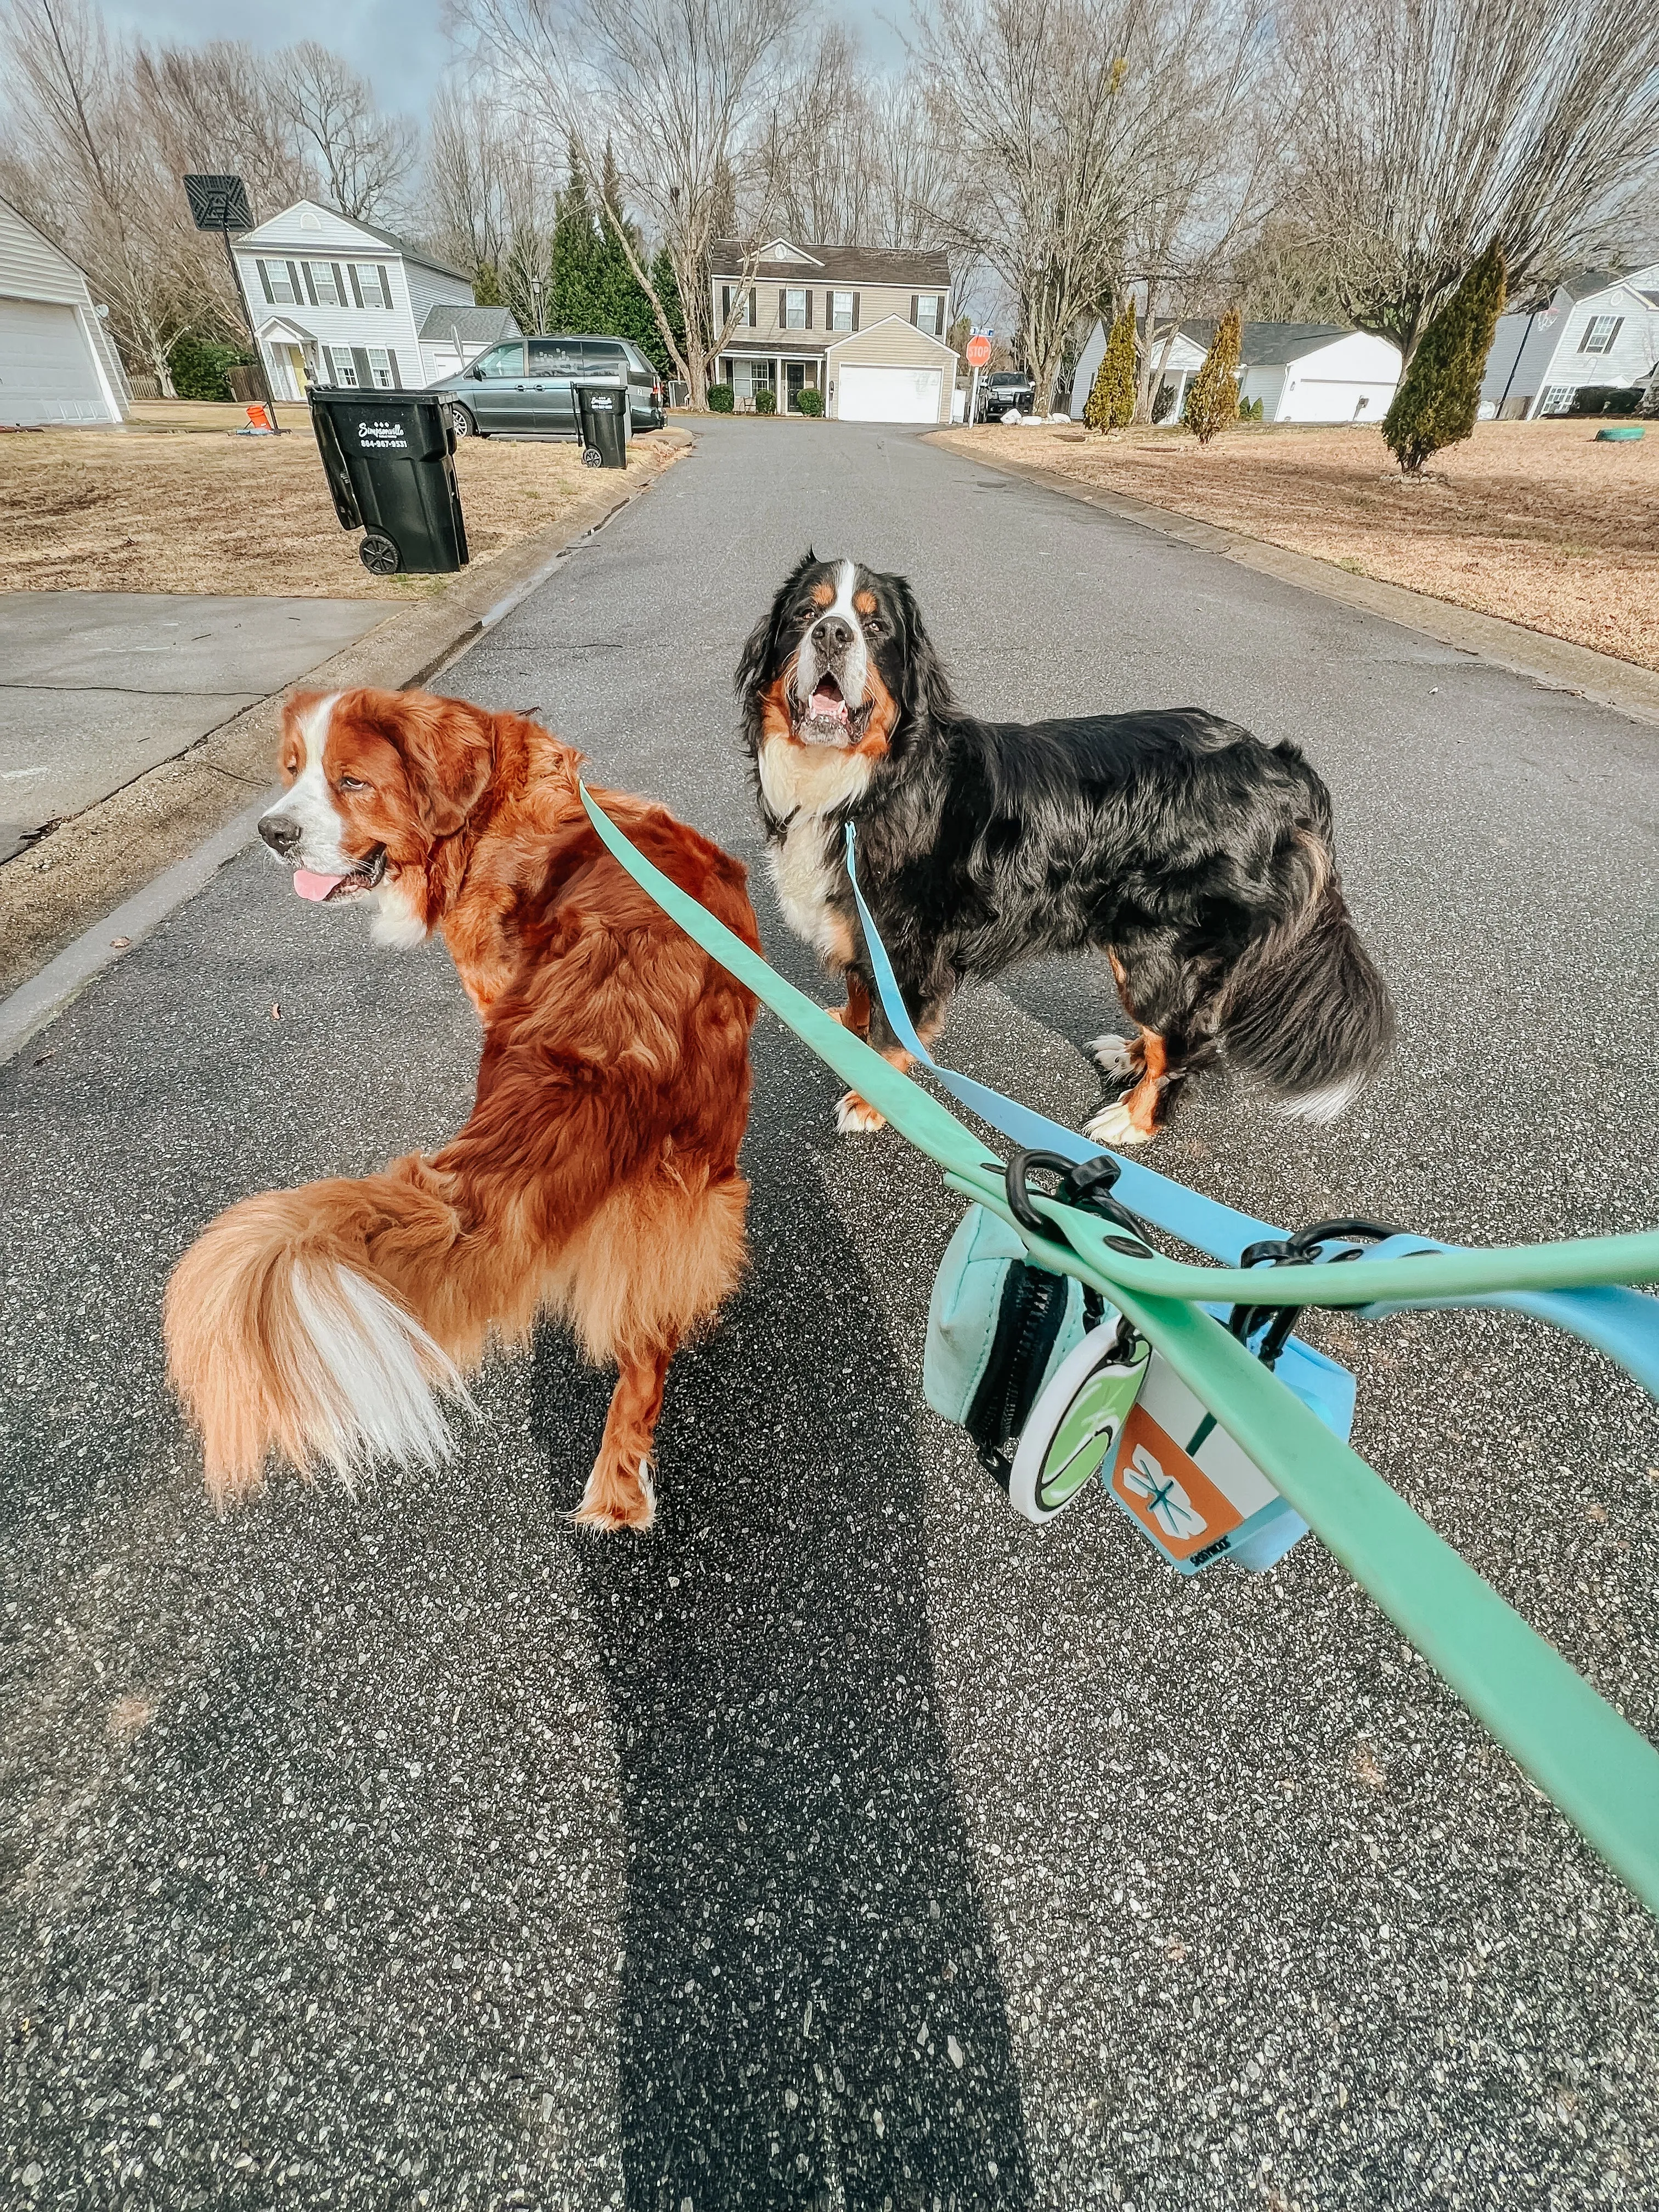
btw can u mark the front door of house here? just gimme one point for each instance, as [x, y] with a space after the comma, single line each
[794, 378]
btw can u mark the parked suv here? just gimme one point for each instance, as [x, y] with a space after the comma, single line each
[1004, 393]
[522, 388]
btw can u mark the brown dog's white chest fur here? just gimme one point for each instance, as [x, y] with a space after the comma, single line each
[802, 784]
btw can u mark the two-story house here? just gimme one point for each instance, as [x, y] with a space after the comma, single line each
[864, 325]
[337, 302]
[1597, 329]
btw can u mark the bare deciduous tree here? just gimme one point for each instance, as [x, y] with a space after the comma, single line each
[860, 160]
[363, 155]
[486, 183]
[686, 92]
[1425, 129]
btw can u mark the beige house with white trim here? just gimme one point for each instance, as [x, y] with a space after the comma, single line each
[864, 325]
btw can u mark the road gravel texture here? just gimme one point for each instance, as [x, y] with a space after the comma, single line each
[846, 1843]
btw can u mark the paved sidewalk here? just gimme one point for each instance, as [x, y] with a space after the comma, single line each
[95, 687]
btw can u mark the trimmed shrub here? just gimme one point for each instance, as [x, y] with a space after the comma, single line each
[808, 402]
[1607, 400]
[200, 368]
[1213, 396]
[766, 400]
[1111, 403]
[1439, 395]
[721, 399]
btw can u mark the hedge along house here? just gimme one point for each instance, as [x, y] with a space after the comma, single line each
[862, 326]
[1597, 329]
[57, 363]
[1300, 372]
[337, 301]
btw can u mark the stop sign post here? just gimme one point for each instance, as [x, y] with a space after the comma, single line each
[977, 352]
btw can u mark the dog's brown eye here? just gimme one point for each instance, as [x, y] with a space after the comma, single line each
[352, 783]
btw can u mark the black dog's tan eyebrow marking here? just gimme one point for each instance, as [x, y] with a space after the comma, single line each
[822, 595]
[864, 603]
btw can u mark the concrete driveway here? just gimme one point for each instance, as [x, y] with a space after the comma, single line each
[848, 1842]
[95, 687]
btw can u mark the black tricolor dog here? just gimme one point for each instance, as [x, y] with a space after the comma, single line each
[1196, 857]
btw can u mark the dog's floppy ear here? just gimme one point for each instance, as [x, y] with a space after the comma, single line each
[445, 747]
[761, 653]
[925, 690]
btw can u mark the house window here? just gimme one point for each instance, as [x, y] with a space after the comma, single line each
[741, 298]
[1554, 400]
[369, 286]
[930, 314]
[382, 368]
[279, 280]
[794, 310]
[342, 367]
[323, 282]
[1602, 334]
[840, 311]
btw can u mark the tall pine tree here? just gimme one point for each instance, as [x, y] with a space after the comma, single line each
[1212, 399]
[1111, 403]
[1439, 396]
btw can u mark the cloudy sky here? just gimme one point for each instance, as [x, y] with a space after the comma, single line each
[399, 43]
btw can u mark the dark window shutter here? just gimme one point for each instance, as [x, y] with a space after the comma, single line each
[386, 289]
[726, 305]
[396, 380]
[1612, 334]
[809, 309]
[365, 374]
[339, 282]
[356, 288]
[311, 288]
[783, 309]
[294, 280]
[855, 310]
[913, 306]
[754, 319]
[264, 282]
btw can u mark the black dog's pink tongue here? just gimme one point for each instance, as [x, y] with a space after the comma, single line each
[828, 705]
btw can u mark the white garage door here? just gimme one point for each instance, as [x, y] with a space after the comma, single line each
[888, 395]
[46, 374]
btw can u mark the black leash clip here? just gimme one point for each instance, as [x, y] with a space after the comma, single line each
[1300, 1251]
[1086, 1184]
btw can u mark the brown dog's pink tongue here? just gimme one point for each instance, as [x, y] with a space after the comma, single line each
[314, 887]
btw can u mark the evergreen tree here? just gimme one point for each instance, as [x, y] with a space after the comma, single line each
[579, 271]
[1439, 395]
[1111, 403]
[1212, 397]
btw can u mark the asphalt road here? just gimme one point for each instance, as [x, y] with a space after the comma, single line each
[847, 1843]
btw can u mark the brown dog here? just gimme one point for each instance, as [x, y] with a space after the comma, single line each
[596, 1178]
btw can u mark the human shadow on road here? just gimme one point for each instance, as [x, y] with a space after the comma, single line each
[809, 1997]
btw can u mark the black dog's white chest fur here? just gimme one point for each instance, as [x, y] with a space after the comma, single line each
[803, 787]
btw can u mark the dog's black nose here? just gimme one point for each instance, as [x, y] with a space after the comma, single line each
[281, 832]
[831, 634]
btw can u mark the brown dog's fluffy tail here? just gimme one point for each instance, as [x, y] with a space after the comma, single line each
[324, 1322]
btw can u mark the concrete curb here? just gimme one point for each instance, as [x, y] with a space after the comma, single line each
[1554, 662]
[250, 737]
[182, 809]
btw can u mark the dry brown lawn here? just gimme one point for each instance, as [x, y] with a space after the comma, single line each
[1534, 521]
[175, 502]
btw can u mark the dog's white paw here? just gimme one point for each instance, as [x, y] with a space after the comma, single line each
[856, 1117]
[1112, 1126]
[1110, 1055]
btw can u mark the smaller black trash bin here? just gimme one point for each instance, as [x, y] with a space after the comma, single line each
[602, 418]
[389, 457]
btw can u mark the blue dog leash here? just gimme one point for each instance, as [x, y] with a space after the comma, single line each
[1620, 1323]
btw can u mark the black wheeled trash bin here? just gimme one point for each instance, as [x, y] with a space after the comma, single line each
[389, 457]
[602, 418]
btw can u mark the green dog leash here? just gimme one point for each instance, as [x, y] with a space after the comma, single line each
[1597, 1769]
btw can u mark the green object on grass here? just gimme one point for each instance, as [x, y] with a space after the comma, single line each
[1596, 1767]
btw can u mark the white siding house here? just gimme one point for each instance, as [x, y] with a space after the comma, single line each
[452, 338]
[1600, 329]
[1300, 372]
[57, 363]
[337, 302]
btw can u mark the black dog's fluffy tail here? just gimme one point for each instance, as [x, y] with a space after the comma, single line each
[1304, 1014]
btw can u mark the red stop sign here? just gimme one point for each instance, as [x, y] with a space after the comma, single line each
[978, 351]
